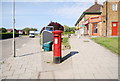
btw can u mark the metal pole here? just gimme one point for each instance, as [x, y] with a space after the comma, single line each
[13, 19]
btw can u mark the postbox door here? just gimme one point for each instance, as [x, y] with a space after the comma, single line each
[56, 46]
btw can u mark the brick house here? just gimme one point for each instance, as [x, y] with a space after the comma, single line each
[110, 17]
[56, 26]
[21, 32]
[11, 30]
[91, 19]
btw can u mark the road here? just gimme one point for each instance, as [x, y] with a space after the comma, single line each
[7, 46]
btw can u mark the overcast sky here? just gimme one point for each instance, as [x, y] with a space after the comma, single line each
[39, 14]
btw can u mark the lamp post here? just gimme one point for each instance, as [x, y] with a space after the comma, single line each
[13, 25]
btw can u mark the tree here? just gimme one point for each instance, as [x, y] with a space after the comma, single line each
[72, 29]
[3, 30]
[33, 29]
[69, 29]
[26, 30]
[66, 28]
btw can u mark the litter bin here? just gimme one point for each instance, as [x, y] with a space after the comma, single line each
[47, 46]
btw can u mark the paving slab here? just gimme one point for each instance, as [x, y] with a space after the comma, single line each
[94, 59]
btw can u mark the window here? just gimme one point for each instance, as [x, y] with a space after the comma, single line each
[114, 25]
[114, 7]
[31, 33]
[95, 28]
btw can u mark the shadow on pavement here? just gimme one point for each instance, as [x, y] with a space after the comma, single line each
[69, 55]
[28, 54]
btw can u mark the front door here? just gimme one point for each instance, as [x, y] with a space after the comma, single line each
[95, 29]
[87, 29]
[114, 28]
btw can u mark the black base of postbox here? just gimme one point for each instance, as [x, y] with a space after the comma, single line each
[56, 60]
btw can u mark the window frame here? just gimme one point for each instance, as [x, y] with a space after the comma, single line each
[114, 7]
[95, 28]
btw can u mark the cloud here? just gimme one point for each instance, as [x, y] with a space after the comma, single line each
[71, 11]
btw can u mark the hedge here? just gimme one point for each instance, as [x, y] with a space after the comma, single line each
[7, 35]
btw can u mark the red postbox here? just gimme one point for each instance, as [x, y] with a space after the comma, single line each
[57, 46]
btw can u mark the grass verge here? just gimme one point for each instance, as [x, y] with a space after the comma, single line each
[110, 43]
[64, 33]
[65, 42]
[40, 40]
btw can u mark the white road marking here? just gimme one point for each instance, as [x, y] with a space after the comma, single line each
[17, 49]
[23, 44]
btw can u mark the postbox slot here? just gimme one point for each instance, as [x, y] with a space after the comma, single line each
[55, 36]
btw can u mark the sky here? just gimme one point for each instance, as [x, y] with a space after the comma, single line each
[39, 14]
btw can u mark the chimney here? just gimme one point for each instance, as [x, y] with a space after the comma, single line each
[96, 1]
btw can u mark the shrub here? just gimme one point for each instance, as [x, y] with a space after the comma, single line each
[7, 35]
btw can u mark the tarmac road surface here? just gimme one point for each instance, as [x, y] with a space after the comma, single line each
[6, 46]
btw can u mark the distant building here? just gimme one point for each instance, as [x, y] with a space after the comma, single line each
[16, 31]
[21, 32]
[11, 30]
[56, 26]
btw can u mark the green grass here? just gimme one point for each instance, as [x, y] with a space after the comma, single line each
[40, 41]
[67, 33]
[8, 33]
[37, 34]
[65, 42]
[110, 43]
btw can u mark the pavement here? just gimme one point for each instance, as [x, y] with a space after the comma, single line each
[85, 60]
